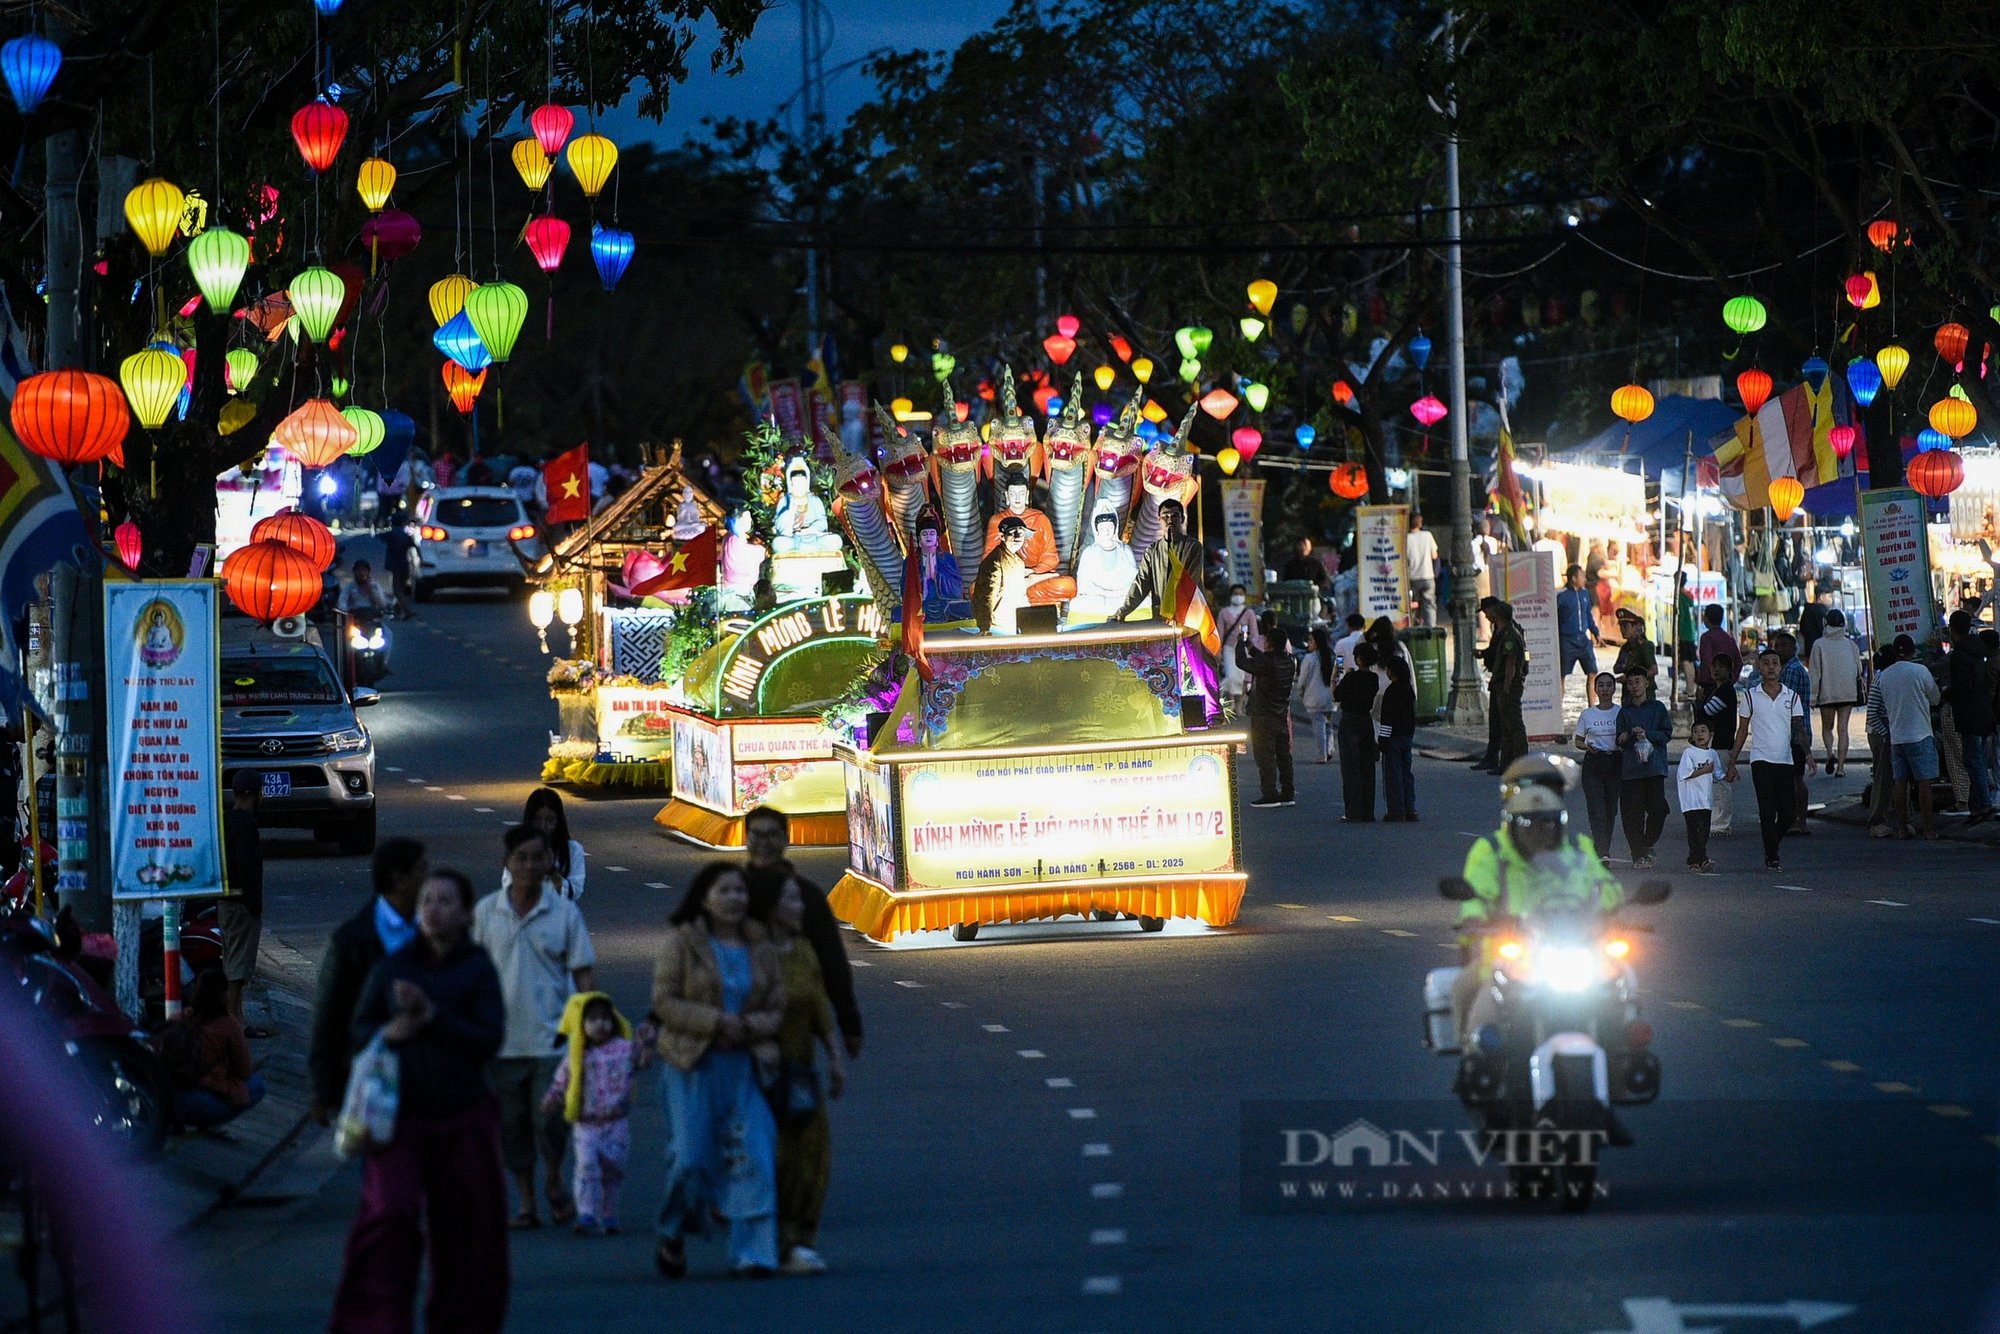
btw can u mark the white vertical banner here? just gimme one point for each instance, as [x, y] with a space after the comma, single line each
[1379, 533]
[1527, 579]
[1243, 524]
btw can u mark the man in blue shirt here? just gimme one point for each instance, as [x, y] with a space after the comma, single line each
[1576, 625]
[1644, 728]
[1794, 677]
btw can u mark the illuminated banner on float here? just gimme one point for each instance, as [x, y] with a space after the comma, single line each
[789, 629]
[634, 722]
[990, 822]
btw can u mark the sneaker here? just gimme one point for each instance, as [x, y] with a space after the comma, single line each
[803, 1260]
[1288, 801]
[1265, 803]
[1772, 864]
[1641, 863]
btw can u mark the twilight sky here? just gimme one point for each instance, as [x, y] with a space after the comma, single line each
[771, 60]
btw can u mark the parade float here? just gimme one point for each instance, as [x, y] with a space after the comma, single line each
[629, 620]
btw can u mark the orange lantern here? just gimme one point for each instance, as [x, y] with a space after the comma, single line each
[267, 580]
[316, 434]
[301, 532]
[1785, 494]
[71, 417]
[1218, 403]
[1754, 386]
[463, 386]
[1953, 417]
[1950, 342]
[1349, 481]
[1882, 234]
[1936, 472]
[1632, 403]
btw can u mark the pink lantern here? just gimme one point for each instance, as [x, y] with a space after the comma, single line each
[130, 547]
[548, 238]
[1842, 440]
[551, 124]
[1428, 410]
[391, 234]
[1247, 440]
[1067, 325]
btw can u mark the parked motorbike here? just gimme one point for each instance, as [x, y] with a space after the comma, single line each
[368, 647]
[1568, 1044]
[134, 1097]
[19, 891]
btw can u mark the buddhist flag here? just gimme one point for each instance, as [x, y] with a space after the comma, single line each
[692, 565]
[566, 482]
[1190, 605]
[1507, 496]
[1787, 438]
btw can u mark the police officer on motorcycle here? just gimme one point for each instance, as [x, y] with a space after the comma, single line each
[1532, 858]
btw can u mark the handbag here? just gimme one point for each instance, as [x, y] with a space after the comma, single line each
[792, 1088]
[368, 1112]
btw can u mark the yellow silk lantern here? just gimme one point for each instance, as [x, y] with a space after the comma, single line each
[1786, 493]
[449, 292]
[1104, 376]
[153, 380]
[591, 157]
[532, 163]
[1263, 295]
[374, 182]
[1953, 417]
[1633, 403]
[154, 208]
[1142, 370]
[1892, 361]
[1227, 458]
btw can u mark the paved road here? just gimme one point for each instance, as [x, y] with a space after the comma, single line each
[1045, 1130]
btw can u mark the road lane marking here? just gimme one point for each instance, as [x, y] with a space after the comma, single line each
[1103, 1285]
[1950, 1109]
[482, 810]
[1029, 1055]
[1892, 1086]
[395, 768]
[1106, 1190]
[453, 796]
[617, 868]
[1743, 1023]
[1842, 1067]
[1336, 917]
[918, 985]
[1083, 1113]
[417, 781]
[1392, 931]
[1888, 903]
[432, 787]
[1288, 905]
[1797, 889]
[1687, 1005]
[1097, 1150]
[1790, 1042]
[949, 1005]
[1985, 921]
[1107, 1236]
[851, 963]
[994, 1028]
[661, 884]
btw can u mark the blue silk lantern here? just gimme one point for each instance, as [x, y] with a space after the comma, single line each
[1420, 351]
[611, 249]
[327, 8]
[1101, 415]
[1055, 407]
[456, 339]
[1306, 435]
[1814, 371]
[30, 64]
[1931, 438]
[1147, 431]
[1864, 380]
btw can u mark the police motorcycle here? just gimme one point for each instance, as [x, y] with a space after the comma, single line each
[1557, 1039]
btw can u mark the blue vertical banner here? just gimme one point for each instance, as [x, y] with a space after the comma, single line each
[161, 659]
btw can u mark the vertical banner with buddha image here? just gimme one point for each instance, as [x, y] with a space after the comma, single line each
[1243, 527]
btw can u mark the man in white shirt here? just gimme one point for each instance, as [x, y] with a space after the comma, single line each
[541, 949]
[1420, 551]
[1343, 647]
[1769, 707]
[1909, 693]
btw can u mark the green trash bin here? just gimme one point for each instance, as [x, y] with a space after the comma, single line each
[1295, 602]
[1430, 656]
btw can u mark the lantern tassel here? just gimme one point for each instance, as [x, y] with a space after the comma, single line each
[549, 334]
[374, 253]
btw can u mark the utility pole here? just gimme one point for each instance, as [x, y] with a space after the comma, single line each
[1468, 707]
[812, 96]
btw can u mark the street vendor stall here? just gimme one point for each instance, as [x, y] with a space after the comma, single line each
[746, 721]
[614, 688]
[1037, 776]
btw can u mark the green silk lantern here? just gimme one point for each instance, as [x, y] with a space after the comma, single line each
[497, 311]
[1744, 314]
[1256, 395]
[340, 386]
[239, 367]
[1251, 328]
[316, 296]
[1190, 370]
[371, 426]
[219, 258]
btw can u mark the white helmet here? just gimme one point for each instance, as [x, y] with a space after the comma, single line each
[1556, 773]
[1532, 799]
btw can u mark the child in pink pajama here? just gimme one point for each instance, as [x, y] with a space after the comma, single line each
[593, 1087]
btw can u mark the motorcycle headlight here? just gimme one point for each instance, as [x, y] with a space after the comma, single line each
[1566, 968]
[377, 640]
[357, 638]
[354, 738]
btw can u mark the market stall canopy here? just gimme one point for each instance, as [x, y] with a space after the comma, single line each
[1659, 443]
[640, 520]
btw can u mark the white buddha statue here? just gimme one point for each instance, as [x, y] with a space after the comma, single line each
[1104, 571]
[801, 519]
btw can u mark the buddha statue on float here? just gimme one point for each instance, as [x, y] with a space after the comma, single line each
[800, 525]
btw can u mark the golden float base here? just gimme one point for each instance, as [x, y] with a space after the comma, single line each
[882, 914]
[705, 828]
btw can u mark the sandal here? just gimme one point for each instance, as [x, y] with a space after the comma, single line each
[522, 1221]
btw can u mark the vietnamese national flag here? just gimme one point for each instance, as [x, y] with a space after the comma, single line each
[692, 565]
[566, 482]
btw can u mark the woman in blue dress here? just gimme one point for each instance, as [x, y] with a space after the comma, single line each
[717, 1003]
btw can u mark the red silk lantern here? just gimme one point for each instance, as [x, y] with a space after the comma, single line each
[1068, 325]
[267, 580]
[1951, 340]
[1349, 481]
[1858, 288]
[130, 545]
[1121, 348]
[548, 238]
[319, 128]
[551, 124]
[1754, 387]
[1247, 440]
[1785, 495]
[1842, 440]
[1937, 472]
[463, 386]
[71, 417]
[1060, 347]
[391, 234]
[1428, 410]
[301, 532]
[316, 434]
[1343, 394]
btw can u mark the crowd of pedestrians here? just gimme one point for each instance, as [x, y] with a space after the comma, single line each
[510, 1057]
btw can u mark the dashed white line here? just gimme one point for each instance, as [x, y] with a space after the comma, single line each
[1029, 1055]
[453, 796]
[432, 787]
[994, 1028]
[617, 868]
[1103, 1285]
[1796, 889]
[1888, 903]
[1060, 1082]
[1985, 921]
[1106, 1190]
[1107, 1236]
[1097, 1150]
[914, 986]
[1083, 1113]
[482, 810]
[949, 1005]
[852, 963]
[417, 781]
[395, 768]
[661, 884]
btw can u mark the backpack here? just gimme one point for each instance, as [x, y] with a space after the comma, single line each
[178, 1041]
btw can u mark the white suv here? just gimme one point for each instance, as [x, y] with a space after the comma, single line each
[474, 536]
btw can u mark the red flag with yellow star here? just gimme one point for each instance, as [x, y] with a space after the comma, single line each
[692, 565]
[566, 482]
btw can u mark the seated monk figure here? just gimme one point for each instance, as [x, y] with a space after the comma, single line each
[1045, 585]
